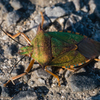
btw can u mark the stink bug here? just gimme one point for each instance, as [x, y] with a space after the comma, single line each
[58, 49]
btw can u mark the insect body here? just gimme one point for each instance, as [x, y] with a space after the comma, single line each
[59, 49]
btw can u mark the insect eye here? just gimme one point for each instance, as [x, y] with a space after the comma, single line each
[52, 57]
[28, 44]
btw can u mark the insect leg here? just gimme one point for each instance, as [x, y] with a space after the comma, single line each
[80, 67]
[70, 69]
[87, 62]
[19, 33]
[97, 59]
[16, 77]
[30, 66]
[53, 75]
[42, 19]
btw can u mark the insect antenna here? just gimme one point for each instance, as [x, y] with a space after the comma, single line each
[16, 64]
[11, 37]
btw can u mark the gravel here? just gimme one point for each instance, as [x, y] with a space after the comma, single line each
[78, 16]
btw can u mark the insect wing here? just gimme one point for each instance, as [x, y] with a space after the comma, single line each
[69, 58]
[66, 37]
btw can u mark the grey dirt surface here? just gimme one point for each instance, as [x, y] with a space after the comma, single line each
[82, 16]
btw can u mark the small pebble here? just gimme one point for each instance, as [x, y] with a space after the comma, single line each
[41, 81]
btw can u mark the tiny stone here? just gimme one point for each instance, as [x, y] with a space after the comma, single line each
[32, 82]
[5, 37]
[53, 85]
[50, 1]
[2, 76]
[38, 20]
[84, 9]
[76, 3]
[14, 72]
[92, 6]
[67, 74]
[61, 20]
[41, 81]
[54, 80]
[16, 4]
[62, 97]
[84, 79]
[54, 13]
[42, 73]
[26, 78]
[93, 93]
[9, 62]
[33, 26]
[13, 17]
[4, 67]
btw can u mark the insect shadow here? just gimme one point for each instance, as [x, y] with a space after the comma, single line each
[13, 90]
[13, 49]
[41, 90]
